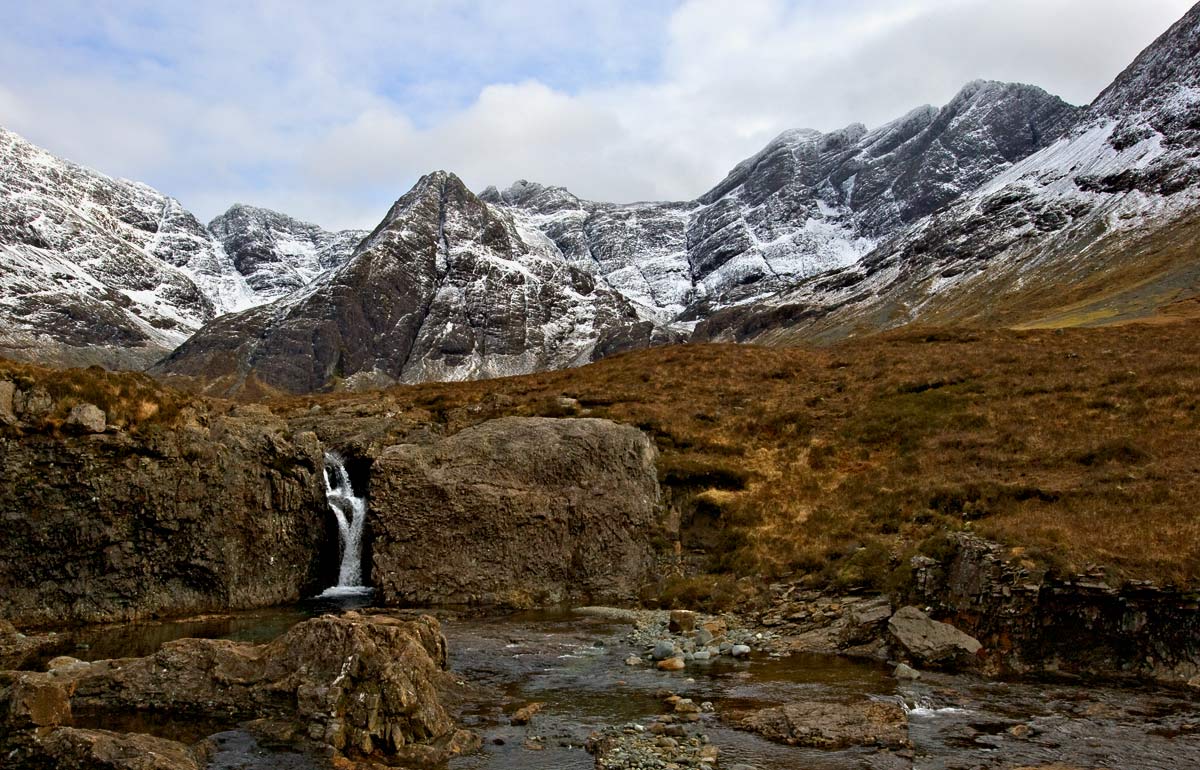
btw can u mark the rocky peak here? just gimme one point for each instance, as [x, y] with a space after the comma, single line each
[1164, 78]
[277, 253]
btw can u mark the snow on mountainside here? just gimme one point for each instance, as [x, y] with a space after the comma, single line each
[103, 270]
[1090, 229]
[807, 203]
[445, 288]
[276, 253]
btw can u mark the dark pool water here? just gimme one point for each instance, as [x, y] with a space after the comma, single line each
[575, 666]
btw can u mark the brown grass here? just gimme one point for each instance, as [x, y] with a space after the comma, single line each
[131, 400]
[1078, 447]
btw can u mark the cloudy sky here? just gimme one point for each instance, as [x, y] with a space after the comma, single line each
[329, 111]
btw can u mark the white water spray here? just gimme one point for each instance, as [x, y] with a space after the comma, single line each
[350, 511]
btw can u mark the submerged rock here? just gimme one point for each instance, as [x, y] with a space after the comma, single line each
[515, 511]
[829, 725]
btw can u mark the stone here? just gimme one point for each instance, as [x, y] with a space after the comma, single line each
[86, 418]
[686, 706]
[822, 725]
[672, 664]
[716, 629]
[515, 511]
[740, 650]
[32, 405]
[663, 649]
[701, 655]
[904, 671]
[681, 622]
[523, 715]
[1194, 682]
[69, 748]
[633, 660]
[930, 642]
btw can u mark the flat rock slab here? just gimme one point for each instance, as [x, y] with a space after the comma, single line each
[821, 725]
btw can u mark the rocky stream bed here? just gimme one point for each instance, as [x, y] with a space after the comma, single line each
[565, 689]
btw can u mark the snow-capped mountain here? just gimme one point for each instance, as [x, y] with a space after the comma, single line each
[277, 254]
[445, 288]
[103, 270]
[807, 203]
[1098, 227]
[534, 277]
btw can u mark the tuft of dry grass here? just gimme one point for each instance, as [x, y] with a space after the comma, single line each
[1080, 446]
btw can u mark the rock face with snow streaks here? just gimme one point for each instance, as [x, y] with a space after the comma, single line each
[1098, 226]
[276, 253]
[807, 203]
[445, 288]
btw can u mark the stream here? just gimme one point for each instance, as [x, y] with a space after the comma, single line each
[575, 665]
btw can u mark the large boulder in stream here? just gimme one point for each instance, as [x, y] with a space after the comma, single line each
[515, 511]
[361, 685]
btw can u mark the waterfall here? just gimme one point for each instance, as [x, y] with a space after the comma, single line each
[350, 511]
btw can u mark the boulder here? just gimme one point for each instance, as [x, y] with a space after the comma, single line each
[821, 725]
[930, 642]
[515, 511]
[363, 685]
[682, 622]
[86, 418]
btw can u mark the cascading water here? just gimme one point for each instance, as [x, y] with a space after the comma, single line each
[350, 511]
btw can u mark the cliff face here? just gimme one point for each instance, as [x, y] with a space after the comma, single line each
[214, 512]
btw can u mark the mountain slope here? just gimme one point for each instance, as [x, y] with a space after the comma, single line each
[276, 253]
[807, 203]
[108, 271]
[1100, 226]
[446, 287]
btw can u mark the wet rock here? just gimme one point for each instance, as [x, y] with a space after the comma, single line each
[515, 511]
[633, 660]
[904, 671]
[68, 748]
[86, 418]
[829, 725]
[361, 684]
[930, 642]
[740, 650]
[523, 715]
[672, 664]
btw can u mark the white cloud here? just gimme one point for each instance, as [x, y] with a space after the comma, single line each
[331, 113]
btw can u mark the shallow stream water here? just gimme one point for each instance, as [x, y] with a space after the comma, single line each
[575, 665]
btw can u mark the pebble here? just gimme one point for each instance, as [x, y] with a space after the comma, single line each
[740, 651]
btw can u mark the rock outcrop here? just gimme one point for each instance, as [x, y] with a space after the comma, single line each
[515, 511]
[361, 685]
[199, 513]
[1031, 622]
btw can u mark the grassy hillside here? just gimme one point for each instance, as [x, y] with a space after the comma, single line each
[1079, 448]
